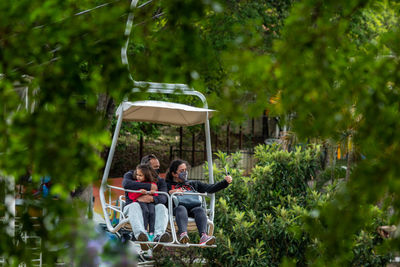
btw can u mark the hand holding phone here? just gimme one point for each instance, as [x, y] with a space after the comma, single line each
[228, 176]
[226, 170]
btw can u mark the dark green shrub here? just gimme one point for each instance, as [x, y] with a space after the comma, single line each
[330, 174]
[176, 257]
[258, 217]
[263, 219]
[279, 174]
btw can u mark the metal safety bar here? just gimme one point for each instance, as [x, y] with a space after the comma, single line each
[171, 217]
[175, 242]
[125, 220]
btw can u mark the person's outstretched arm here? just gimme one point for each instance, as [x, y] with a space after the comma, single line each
[211, 188]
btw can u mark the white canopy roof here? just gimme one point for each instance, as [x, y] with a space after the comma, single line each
[164, 113]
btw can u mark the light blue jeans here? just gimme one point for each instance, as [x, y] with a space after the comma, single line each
[134, 213]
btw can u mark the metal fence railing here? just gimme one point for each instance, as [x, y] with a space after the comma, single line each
[33, 244]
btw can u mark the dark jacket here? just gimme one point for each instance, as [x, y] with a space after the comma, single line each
[129, 183]
[198, 186]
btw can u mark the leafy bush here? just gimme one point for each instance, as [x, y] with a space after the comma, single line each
[280, 174]
[263, 219]
[331, 173]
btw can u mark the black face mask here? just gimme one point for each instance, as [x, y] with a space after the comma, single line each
[157, 171]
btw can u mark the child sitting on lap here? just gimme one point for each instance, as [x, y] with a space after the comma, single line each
[145, 174]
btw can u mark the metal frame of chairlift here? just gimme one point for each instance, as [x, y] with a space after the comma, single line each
[161, 88]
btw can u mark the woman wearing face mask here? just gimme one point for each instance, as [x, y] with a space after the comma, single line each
[176, 179]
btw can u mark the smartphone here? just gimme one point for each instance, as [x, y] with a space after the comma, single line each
[227, 173]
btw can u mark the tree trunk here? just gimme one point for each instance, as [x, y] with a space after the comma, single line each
[253, 132]
[106, 107]
[240, 137]
[228, 133]
[265, 131]
[141, 145]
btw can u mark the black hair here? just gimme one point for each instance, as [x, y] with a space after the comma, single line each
[148, 172]
[146, 159]
[173, 167]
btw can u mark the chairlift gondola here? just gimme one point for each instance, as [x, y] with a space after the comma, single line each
[163, 113]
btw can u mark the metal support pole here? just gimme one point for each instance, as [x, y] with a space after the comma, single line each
[240, 137]
[210, 165]
[108, 166]
[228, 133]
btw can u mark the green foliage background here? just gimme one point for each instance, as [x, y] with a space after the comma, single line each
[333, 64]
[66, 61]
[342, 84]
[269, 218]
